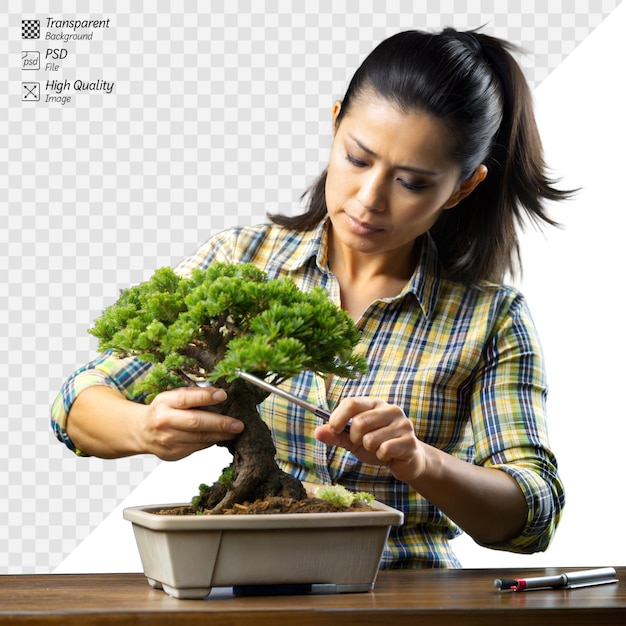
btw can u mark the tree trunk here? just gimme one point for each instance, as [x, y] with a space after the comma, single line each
[255, 472]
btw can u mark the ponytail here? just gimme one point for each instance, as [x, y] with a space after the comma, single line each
[478, 239]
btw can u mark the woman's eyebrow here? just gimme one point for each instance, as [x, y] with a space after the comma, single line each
[405, 168]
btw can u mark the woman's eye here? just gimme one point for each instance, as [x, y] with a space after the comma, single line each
[354, 161]
[412, 186]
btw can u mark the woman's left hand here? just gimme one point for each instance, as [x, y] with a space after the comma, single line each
[486, 502]
[380, 434]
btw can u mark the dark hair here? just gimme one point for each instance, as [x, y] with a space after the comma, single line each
[473, 84]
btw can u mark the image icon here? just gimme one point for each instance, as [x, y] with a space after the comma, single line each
[30, 92]
[30, 29]
[31, 60]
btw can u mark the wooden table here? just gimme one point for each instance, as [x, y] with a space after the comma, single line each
[445, 597]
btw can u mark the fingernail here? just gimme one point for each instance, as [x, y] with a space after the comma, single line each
[236, 427]
[219, 395]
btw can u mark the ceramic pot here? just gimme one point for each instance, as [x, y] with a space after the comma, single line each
[187, 556]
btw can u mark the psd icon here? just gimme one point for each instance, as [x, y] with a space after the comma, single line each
[30, 29]
[31, 60]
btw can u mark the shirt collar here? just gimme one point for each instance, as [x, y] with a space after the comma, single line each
[313, 243]
[423, 284]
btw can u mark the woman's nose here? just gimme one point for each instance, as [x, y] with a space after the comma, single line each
[372, 192]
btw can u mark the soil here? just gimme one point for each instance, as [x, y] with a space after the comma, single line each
[274, 505]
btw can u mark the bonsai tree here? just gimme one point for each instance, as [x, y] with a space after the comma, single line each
[206, 327]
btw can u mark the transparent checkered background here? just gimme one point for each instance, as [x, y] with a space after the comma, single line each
[217, 116]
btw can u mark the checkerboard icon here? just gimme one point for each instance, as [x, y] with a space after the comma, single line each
[30, 29]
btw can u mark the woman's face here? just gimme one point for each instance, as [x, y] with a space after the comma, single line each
[389, 177]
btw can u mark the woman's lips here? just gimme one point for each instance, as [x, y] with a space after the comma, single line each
[361, 228]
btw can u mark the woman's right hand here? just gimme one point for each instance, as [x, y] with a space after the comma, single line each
[175, 425]
[103, 423]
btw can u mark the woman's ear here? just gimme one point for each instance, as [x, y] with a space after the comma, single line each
[336, 111]
[467, 187]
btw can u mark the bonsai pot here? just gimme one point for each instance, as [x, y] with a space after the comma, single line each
[187, 556]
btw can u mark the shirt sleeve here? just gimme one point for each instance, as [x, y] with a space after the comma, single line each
[106, 370]
[510, 429]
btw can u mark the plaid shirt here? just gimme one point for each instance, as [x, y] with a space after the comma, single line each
[464, 363]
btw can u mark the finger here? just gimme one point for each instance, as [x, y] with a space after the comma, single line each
[326, 434]
[347, 409]
[205, 422]
[385, 421]
[189, 397]
[187, 436]
[390, 449]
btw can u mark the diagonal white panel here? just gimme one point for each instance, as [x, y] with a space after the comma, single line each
[110, 547]
[574, 281]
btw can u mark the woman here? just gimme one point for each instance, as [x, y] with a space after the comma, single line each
[411, 229]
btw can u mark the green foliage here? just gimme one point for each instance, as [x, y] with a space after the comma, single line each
[340, 496]
[138, 322]
[195, 501]
[227, 476]
[224, 318]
